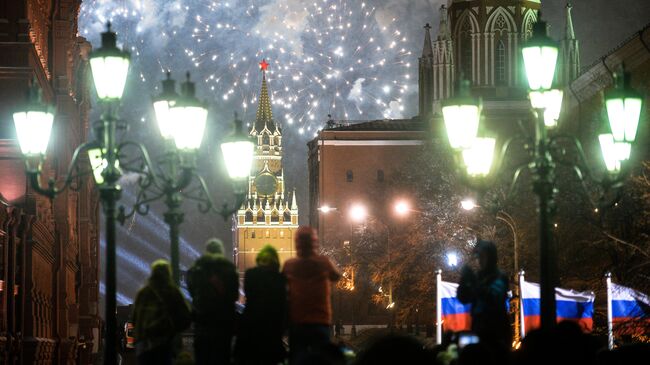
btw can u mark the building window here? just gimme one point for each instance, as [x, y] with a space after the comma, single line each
[500, 63]
[253, 234]
[466, 49]
[249, 216]
[380, 175]
[287, 217]
[275, 217]
[349, 176]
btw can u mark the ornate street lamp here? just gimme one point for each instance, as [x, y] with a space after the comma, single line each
[109, 66]
[181, 120]
[544, 151]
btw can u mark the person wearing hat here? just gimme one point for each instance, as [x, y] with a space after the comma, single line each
[213, 284]
[486, 289]
[264, 318]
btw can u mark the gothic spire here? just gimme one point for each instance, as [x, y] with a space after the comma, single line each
[427, 51]
[264, 116]
[568, 32]
[443, 30]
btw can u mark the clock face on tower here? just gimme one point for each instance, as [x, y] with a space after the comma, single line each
[266, 184]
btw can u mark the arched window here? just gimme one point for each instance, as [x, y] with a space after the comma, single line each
[349, 176]
[500, 63]
[252, 234]
[465, 48]
[287, 216]
[249, 216]
[275, 217]
[265, 139]
[260, 216]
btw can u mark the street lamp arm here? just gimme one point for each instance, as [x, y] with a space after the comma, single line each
[610, 184]
[141, 205]
[206, 203]
[72, 174]
[145, 167]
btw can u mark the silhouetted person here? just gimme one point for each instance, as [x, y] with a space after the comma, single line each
[309, 277]
[486, 290]
[259, 341]
[213, 284]
[160, 313]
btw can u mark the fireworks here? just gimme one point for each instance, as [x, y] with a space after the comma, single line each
[328, 57]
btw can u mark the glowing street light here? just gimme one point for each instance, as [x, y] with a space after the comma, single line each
[468, 204]
[452, 259]
[358, 213]
[402, 208]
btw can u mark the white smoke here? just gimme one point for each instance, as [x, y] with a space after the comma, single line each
[285, 18]
[356, 93]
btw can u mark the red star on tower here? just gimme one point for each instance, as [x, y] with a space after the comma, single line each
[264, 65]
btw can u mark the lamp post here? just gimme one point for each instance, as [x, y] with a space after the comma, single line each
[109, 66]
[107, 157]
[546, 148]
[181, 121]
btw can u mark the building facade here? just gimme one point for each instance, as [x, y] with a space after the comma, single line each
[49, 250]
[480, 41]
[270, 214]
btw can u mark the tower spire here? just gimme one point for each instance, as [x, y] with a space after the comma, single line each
[568, 32]
[569, 57]
[425, 78]
[264, 116]
[427, 51]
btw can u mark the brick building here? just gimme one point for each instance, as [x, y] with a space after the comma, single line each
[49, 250]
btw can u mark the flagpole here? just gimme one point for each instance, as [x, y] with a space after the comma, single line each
[522, 326]
[610, 325]
[438, 307]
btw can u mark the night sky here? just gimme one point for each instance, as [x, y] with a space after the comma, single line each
[350, 59]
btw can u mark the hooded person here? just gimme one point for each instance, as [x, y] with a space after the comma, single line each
[264, 319]
[213, 284]
[487, 291]
[309, 278]
[160, 313]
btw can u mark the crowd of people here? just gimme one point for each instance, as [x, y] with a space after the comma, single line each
[296, 300]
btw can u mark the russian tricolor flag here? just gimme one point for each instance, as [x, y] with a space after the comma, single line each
[628, 309]
[456, 316]
[570, 305]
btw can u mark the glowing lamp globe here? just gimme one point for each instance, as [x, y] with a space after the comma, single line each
[238, 152]
[461, 115]
[540, 57]
[34, 124]
[623, 109]
[614, 153]
[109, 66]
[478, 158]
[550, 101]
[162, 105]
[188, 116]
[98, 164]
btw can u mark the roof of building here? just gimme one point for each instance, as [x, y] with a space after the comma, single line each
[413, 124]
